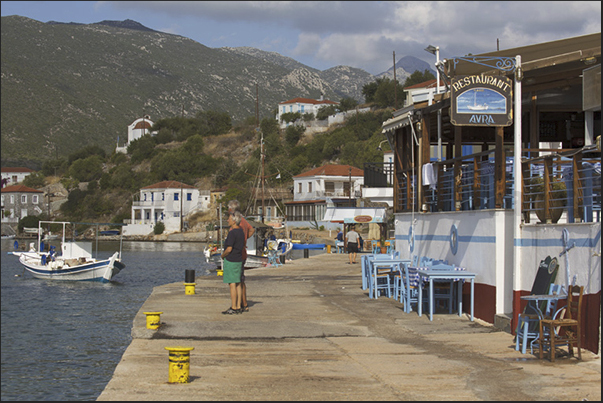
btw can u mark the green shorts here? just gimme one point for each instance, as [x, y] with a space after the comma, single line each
[232, 271]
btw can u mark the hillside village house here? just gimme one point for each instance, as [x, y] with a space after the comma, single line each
[19, 201]
[301, 105]
[169, 202]
[314, 189]
[14, 175]
[136, 130]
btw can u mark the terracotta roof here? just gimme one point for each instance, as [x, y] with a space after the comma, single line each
[425, 84]
[308, 101]
[169, 185]
[16, 169]
[143, 125]
[332, 170]
[20, 189]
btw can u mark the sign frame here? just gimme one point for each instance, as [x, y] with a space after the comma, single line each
[481, 100]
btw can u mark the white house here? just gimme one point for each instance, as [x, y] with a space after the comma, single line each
[169, 202]
[314, 189]
[14, 175]
[422, 92]
[301, 105]
[136, 130]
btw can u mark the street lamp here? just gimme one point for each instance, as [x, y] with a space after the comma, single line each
[435, 50]
[379, 146]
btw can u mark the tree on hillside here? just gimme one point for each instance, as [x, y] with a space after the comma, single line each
[417, 77]
[347, 103]
[383, 92]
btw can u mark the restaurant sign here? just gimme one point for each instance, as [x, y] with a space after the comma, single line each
[481, 100]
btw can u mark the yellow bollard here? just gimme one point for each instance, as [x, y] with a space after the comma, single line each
[189, 288]
[153, 320]
[179, 364]
[328, 248]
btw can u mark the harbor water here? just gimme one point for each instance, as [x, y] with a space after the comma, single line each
[61, 340]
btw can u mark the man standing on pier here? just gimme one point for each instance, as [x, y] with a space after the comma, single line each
[248, 230]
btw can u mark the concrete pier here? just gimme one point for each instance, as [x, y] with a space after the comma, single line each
[312, 333]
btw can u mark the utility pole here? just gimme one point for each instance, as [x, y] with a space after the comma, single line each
[395, 84]
[350, 193]
[181, 218]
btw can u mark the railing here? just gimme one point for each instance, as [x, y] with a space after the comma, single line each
[476, 186]
[378, 174]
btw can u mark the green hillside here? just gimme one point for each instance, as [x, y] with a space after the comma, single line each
[66, 86]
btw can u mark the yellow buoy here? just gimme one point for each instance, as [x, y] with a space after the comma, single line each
[179, 364]
[189, 288]
[153, 320]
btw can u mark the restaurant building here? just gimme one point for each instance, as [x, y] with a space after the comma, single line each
[532, 190]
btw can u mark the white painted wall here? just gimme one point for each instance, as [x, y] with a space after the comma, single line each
[485, 247]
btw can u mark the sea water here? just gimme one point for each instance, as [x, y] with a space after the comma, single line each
[61, 340]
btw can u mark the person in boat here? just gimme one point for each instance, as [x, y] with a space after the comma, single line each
[248, 230]
[232, 265]
[352, 238]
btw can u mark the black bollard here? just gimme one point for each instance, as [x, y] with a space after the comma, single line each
[306, 253]
[189, 276]
[282, 259]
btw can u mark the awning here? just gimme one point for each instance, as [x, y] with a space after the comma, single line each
[400, 119]
[356, 215]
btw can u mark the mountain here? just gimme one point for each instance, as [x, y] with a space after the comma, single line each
[68, 85]
[405, 67]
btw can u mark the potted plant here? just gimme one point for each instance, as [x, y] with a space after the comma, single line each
[557, 195]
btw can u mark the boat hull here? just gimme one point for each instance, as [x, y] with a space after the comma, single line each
[59, 269]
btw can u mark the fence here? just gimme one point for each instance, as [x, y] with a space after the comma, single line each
[572, 180]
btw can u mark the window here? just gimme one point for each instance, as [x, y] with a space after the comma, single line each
[23, 199]
[299, 188]
[302, 108]
[309, 187]
[176, 196]
[144, 197]
[162, 196]
[3, 200]
[14, 178]
[12, 199]
[152, 196]
[189, 196]
[329, 188]
[284, 109]
[34, 199]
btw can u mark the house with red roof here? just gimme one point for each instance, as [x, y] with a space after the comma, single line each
[19, 201]
[301, 105]
[14, 175]
[333, 185]
[169, 202]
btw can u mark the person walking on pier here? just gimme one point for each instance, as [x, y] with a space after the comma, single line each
[248, 230]
[352, 237]
[232, 263]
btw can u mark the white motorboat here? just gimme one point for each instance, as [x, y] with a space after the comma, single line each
[74, 262]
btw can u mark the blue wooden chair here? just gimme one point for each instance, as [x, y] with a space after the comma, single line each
[528, 324]
[381, 271]
[375, 247]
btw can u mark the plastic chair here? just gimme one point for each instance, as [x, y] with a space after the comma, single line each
[550, 335]
[528, 324]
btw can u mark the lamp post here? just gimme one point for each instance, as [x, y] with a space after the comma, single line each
[435, 50]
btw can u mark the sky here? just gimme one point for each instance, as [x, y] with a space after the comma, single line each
[325, 34]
